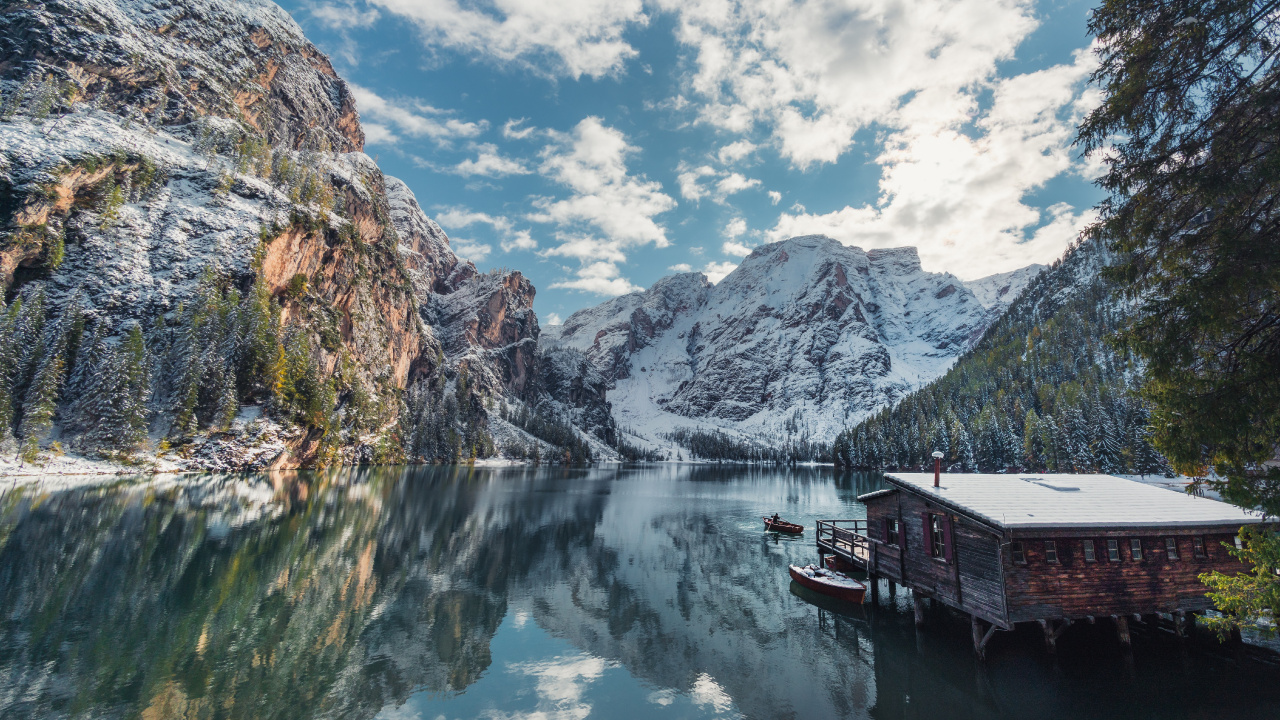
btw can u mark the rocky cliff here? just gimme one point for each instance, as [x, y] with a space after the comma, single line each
[190, 174]
[805, 337]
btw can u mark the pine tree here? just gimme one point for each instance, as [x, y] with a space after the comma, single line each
[10, 357]
[42, 402]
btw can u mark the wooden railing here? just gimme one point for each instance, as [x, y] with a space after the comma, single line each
[846, 537]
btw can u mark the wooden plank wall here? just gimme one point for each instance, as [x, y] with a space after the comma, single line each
[971, 582]
[1074, 588]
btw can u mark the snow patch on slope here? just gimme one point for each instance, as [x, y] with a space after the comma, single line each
[806, 337]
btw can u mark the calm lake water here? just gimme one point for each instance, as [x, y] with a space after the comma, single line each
[635, 592]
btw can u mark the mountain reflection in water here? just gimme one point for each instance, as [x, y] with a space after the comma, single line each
[463, 592]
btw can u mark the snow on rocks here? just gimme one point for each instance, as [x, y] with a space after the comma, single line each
[804, 338]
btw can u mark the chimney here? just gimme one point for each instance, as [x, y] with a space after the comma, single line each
[937, 467]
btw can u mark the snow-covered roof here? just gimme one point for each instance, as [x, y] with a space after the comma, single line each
[1033, 501]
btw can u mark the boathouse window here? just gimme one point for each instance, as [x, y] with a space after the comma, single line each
[891, 531]
[1113, 550]
[1051, 552]
[1197, 543]
[1019, 555]
[1090, 553]
[937, 538]
[1135, 548]
[1171, 547]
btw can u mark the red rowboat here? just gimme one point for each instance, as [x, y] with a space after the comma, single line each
[829, 582]
[782, 526]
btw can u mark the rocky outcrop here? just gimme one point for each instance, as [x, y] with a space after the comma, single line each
[803, 338]
[155, 154]
[487, 327]
[486, 323]
[168, 63]
[997, 292]
[424, 247]
[116, 199]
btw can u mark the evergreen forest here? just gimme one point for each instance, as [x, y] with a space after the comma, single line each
[1043, 390]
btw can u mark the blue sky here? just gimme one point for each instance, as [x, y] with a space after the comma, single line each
[599, 145]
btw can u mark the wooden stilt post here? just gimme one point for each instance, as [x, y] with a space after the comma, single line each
[978, 630]
[874, 582]
[982, 632]
[1180, 624]
[1122, 631]
[918, 601]
[1050, 639]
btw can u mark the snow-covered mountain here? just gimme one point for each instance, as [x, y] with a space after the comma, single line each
[997, 292]
[164, 162]
[805, 337]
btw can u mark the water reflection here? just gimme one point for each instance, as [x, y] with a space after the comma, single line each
[621, 592]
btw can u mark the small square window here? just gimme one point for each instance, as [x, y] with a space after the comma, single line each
[1171, 547]
[1051, 551]
[1019, 555]
[1090, 553]
[891, 526]
[1197, 544]
[1135, 548]
[1113, 550]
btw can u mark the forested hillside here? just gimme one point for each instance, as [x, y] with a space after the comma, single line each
[1043, 390]
[201, 269]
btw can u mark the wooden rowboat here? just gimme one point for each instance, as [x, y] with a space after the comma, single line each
[828, 582]
[782, 526]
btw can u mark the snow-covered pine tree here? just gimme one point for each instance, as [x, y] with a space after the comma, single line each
[9, 359]
[41, 401]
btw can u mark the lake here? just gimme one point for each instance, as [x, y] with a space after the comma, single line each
[454, 592]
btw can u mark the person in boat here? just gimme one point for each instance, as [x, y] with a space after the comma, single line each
[775, 518]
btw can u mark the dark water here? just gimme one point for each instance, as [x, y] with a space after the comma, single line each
[518, 593]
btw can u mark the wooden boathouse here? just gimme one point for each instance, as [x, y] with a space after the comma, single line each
[1052, 549]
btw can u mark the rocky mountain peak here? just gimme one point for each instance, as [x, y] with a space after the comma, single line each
[804, 337]
[170, 63]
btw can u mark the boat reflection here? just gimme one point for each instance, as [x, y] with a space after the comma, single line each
[347, 593]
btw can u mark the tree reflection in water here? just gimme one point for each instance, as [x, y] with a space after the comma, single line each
[344, 593]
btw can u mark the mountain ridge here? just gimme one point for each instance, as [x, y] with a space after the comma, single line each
[804, 337]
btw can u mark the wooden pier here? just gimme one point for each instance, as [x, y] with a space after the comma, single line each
[1046, 549]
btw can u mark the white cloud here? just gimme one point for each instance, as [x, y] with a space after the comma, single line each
[520, 240]
[592, 163]
[690, 181]
[601, 278]
[470, 249]
[814, 72]
[409, 117]
[734, 183]
[735, 151]
[584, 37]
[716, 271]
[490, 164]
[729, 183]
[377, 134]
[460, 217]
[511, 129]
[681, 268]
[608, 211]
[961, 196]
[343, 15]
[775, 197]
[735, 228]
[554, 319]
[732, 247]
